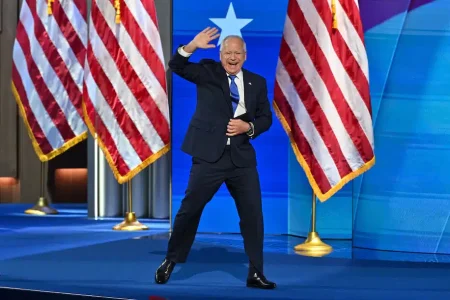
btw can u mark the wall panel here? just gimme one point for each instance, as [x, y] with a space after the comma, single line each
[8, 108]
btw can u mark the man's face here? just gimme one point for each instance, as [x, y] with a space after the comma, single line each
[233, 55]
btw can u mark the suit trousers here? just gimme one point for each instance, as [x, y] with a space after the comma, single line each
[204, 181]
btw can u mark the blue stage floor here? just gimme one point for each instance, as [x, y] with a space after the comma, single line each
[69, 253]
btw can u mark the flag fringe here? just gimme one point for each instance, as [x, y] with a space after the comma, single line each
[44, 157]
[322, 196]
[128, 176]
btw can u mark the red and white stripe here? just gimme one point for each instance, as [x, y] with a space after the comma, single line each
[322, 92]
[47, 76]
[125, 96]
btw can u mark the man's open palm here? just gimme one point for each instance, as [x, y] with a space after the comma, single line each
[203, 39]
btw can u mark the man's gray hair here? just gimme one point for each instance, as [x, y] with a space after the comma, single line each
[233, 36]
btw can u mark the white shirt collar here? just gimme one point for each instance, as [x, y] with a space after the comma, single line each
[238, 75]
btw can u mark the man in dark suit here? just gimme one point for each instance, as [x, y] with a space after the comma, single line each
[232, 109]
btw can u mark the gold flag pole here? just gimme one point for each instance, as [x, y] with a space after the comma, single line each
[42, 207]
[50, 7]
[117, 7]
[130, 223]
[333, 14]
[313, 246]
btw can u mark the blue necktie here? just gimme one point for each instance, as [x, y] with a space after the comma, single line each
[234, 93]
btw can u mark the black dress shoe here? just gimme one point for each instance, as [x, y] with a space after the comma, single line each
[162, 275]
[257, 280]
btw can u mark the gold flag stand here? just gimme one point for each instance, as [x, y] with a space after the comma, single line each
[42, 207]
[313, 246]
[130, 223]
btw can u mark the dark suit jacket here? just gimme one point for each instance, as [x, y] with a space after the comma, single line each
[206, 136]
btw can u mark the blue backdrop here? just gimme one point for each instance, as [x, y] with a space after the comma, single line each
[403, 203]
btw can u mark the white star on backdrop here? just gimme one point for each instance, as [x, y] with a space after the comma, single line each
[230, 25]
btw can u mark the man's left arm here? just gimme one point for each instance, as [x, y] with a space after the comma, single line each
[263, 115]
[261, 122]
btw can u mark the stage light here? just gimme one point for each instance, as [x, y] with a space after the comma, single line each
[71, 185]
[8, 181]
[71, 178]
[75, 174]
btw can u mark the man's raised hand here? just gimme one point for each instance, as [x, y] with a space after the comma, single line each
[203, 39]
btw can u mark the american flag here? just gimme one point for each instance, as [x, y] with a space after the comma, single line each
[322, 92]
[126, 103]
[47, 74]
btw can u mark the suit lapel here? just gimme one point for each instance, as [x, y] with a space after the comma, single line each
[247, 90]
[226, 88]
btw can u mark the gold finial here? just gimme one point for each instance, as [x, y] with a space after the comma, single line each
[117, 7]
[333, 13]
[49, 7]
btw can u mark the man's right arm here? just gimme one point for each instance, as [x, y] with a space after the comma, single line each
[180, 64]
